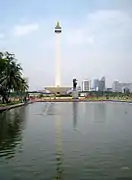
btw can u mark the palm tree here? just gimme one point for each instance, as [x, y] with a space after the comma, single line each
[11, 75]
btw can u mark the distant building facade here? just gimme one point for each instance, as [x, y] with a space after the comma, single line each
[121, 87]
[109, 89]
[99, 85]
[95, 84]
[102, 84]
[85, 85]
[116, 87]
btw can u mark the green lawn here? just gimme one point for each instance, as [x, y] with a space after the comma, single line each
[110, 98]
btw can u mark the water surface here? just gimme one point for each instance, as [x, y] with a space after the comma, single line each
[71, 141]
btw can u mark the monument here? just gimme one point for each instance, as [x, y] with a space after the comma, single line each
[75, 91]
[58, 89]
[57, 72]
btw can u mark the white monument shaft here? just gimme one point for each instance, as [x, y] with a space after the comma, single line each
[57, 62]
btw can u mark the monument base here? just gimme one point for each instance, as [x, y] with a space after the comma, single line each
[75, 94]
[58, 90]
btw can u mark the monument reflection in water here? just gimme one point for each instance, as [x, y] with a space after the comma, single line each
[11, 126]
[59, 155]
[59, 160]
[75, 109]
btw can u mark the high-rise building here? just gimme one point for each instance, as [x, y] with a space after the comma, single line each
[102, 84]
[95, 84]
[99, 85]
[85, 85]
[116, 87]
[121, 87]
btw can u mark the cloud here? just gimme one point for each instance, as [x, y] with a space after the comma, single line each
[22, 30]
[90, 40]
[101, 27]
[78, 37]
[2, 36]
[109, 20]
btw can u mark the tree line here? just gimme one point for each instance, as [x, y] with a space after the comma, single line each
[11, 77]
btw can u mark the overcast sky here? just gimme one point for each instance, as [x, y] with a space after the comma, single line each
[96, 39]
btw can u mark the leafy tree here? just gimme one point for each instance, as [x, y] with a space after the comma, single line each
[11, 78]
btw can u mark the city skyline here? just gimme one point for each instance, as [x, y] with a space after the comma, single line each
[96, 39]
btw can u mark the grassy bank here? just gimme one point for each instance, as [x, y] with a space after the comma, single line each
[109, 99]
[10, 103]
[103, 98]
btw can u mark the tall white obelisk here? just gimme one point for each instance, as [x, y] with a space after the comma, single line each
[57, 63]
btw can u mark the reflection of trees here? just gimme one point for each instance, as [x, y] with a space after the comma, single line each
[75, 108]
[11, 126]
